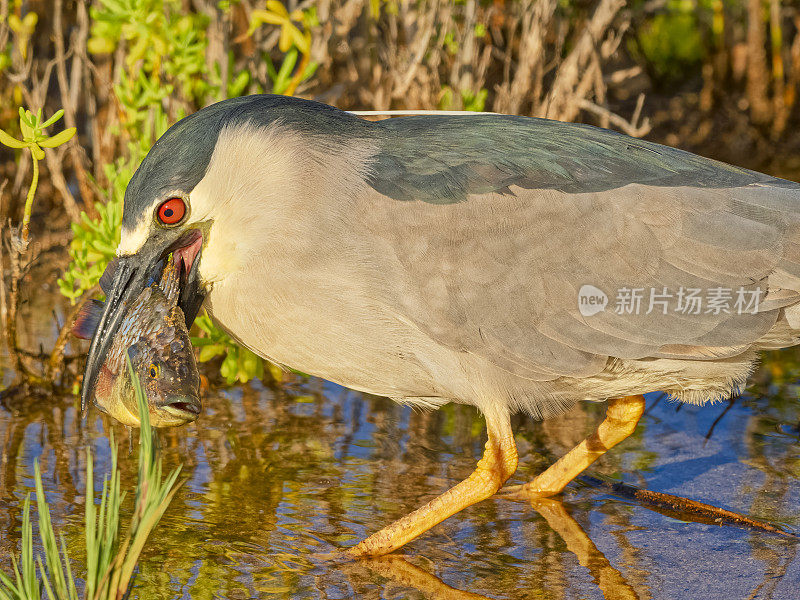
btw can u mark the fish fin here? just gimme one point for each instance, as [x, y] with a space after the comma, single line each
[88, 319]
[108, 275]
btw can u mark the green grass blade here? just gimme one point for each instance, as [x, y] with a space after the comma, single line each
[153, 495]
[8, 590]
[48, 538]
[45, 580]
[27, 580]
[71, 589]
[90, 522]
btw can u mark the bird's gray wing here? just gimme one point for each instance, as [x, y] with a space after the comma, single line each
[494, 226]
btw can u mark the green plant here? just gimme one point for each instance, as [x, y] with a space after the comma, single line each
[94, 241]
[109, 563]
[293, 43]
[474, 102]
[35, 139]
[672, 41]
[23, 29]
[469, 100]
[239, 364]
[286, 78]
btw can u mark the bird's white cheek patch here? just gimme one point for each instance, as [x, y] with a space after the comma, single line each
[131, 241]
[219, 259]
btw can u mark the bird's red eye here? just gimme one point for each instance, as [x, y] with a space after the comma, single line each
[171, 211]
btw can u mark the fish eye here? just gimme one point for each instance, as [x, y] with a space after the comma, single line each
[172, 211]
[154, 370]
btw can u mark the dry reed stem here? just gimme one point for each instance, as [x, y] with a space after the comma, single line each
[567, 91]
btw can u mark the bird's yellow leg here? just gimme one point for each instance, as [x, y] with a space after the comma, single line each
[498, 463]
[622, 415]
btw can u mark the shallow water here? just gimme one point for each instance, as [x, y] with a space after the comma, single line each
[277, 478]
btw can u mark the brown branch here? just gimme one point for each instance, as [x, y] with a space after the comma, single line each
[5, 30]
[628, 127]
[56, 362]
[419, 48]
[684, 508]
[3, 305]
[562, 99]
[15, 253]
[757, 79]
[69, 105]
[527, 79]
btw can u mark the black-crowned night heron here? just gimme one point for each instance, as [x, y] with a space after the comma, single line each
[510, 263]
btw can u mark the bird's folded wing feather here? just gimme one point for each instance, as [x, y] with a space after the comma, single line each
[494, 226]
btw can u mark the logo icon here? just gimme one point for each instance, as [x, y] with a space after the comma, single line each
[591, 300]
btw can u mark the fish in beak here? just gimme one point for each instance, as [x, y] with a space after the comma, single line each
[124, 281]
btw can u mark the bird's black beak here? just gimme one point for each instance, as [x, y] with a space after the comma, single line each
[131, 276]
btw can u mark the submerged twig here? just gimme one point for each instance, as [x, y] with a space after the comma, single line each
[731, 402]
[684, 508]
[652, 405]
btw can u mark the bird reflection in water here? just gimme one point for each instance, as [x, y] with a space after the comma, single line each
[398, 571]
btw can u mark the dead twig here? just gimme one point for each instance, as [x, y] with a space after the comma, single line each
[562, 100]
[16, 251]
[3, 305]
[628, 127]
[731, 402]
[684, 508]
[56, 362]
[68, 97]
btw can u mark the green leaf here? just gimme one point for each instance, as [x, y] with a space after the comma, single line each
[28, 132]
[230, 366]
[311, 68]
[278, 8]
[54, 118]
[209, 352]
[60, 138]
[285, 74]
[9, 141]
[100, 46]
[237, 86]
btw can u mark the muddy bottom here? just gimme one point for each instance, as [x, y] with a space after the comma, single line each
[278, 478]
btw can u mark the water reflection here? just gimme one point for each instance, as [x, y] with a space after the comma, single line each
[279, 477]
[610, 581]
[402, 576]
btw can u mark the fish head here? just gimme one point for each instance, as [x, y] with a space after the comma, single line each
[154, 338]
[165, 365]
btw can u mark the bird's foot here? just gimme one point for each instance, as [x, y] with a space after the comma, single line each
[622, 414]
